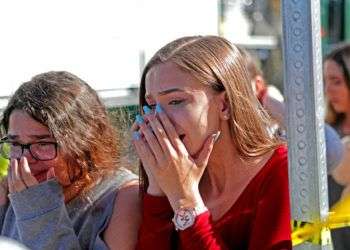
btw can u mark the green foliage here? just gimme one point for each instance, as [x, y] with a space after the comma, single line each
[3, 161]
[122, 119]
[3, 167]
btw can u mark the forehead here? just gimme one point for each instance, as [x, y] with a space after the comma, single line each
[169, 76]
[21, 123]
[332, 68]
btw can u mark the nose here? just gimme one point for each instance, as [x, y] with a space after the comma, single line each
[329, 88]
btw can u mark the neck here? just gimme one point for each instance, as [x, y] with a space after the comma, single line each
[224, 169]
[347, 117]
[345, 126]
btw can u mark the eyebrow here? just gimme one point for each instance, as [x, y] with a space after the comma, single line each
[165, 92]
[37, 137]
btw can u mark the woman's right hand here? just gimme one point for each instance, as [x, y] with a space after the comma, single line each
[4, 190]
[153, 187]
[20, 176]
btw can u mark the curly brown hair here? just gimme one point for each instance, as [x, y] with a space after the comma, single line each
[77, 119]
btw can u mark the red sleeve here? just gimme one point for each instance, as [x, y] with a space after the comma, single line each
[271, 228]
[157, 230]
[201, 235]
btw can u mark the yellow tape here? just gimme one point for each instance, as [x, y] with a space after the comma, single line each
[319, 232]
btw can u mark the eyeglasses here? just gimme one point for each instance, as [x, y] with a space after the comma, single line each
[41, 151]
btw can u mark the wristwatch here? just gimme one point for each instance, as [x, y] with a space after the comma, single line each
[185, 217]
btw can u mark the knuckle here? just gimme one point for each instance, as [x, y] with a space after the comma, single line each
[161, 131]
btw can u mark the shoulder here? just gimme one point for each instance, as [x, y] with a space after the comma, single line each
[124, 176]
[122, 230]
[275, 172]
[278, 162]
[127, 202]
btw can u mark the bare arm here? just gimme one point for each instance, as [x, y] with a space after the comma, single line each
[341, 173]
[122, 231]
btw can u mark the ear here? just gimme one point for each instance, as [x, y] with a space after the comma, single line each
[260, 84]
[223, 106]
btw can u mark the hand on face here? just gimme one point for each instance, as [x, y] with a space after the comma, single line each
[3, 191]
[20, 176]
[167, 161]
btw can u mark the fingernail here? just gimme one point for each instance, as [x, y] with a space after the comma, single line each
[147, 110]
[216, 136]
[136, 135]
[159, 108]
[139, 119]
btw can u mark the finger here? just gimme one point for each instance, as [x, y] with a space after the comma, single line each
[9, 178]
[151, 141]
[135, 126]
[203, 157]
[161, 135]
[4, 184]
[27, 177]
[17, 182]
[170, 130]
[3, 191]
[144, 152]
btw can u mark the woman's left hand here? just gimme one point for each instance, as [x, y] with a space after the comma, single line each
[176, 172]
[20, 176]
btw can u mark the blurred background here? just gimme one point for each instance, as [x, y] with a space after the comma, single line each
[108, 42]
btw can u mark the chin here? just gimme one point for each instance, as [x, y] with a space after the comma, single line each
[41, 177]
[338, 109]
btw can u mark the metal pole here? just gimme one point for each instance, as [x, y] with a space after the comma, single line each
[305, 107]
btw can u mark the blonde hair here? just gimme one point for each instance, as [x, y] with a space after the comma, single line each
[251, 63]
[216, 62]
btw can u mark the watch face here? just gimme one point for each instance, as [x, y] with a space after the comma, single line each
[184, 218]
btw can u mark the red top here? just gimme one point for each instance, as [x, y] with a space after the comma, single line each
[258, 220]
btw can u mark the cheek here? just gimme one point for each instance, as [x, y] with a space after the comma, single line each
[61, 172]
[184, 119]
[194, 124]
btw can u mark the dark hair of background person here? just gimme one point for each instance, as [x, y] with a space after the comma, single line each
[340, 55]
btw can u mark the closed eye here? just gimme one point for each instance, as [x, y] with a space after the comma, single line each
[176, 102]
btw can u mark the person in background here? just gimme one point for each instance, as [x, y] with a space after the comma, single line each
[341, 174]
[214, 177]
[336, 70]
[268, 95]
[64, 188]
[273, 102]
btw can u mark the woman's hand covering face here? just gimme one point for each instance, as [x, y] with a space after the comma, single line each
[20, 177]
[166, 159]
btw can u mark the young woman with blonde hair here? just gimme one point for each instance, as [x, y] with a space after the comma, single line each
[213, 175]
